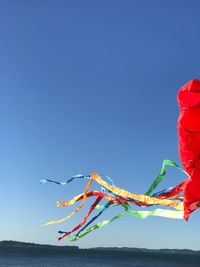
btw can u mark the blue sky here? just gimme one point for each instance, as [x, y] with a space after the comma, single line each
[91, 86]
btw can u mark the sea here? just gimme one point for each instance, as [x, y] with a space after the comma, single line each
[97, 258]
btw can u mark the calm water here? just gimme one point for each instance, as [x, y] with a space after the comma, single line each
[98, 259]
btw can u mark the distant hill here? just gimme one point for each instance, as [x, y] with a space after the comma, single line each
[145, 250]
[10, 243]
[25, 247]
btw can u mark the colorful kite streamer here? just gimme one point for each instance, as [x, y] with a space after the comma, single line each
[183, 205]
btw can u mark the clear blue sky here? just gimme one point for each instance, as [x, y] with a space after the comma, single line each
[91, 86]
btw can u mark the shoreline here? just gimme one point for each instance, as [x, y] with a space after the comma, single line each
[9, 246]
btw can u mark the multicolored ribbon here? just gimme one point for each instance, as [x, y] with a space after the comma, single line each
[117, 196]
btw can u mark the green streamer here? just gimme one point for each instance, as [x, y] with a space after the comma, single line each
[100, 224]
[99, 207]
[162, 174]
[157, 212]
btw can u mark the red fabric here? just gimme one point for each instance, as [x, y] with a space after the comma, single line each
[189, 141]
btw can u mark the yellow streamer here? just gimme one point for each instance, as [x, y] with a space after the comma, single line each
[142, 198]
[76, 198]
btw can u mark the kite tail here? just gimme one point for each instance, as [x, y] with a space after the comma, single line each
[119, 197]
